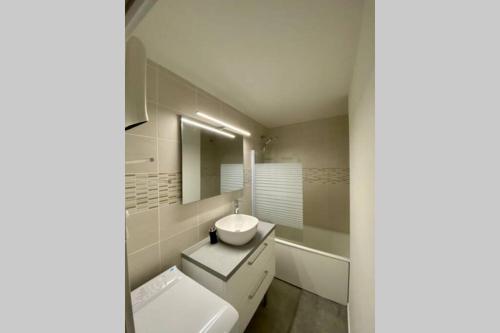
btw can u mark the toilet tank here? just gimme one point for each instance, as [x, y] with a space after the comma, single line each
[173, 302]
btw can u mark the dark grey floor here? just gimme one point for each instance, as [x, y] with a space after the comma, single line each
[292, 310]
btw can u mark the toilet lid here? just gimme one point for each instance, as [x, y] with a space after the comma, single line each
[173, 302]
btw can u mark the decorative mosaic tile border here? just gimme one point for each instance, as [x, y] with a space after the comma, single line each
[170, 190]
[145, 191]
[141, 192]
[326, 175]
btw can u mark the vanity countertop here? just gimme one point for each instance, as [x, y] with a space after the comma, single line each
[223, 260]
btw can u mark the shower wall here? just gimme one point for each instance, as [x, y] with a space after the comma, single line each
[322, 146]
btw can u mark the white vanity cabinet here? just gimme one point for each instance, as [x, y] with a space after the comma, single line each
[239, 274]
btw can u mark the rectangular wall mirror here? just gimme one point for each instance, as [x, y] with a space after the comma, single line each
[211, 163]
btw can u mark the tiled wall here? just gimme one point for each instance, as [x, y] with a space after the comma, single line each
[159, 226]
[323, 148]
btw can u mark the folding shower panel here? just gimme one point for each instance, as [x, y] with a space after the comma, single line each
[277, 193]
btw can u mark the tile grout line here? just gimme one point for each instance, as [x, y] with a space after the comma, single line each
[197, 203]
[143, 248]
[157, 95]
[160, 240]
[151, 137]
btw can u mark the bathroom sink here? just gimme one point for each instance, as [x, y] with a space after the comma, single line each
[237, 229]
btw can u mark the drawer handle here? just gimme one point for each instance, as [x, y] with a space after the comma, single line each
[252, 295]
[250, 262]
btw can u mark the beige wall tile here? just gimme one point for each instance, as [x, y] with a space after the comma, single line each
[212, 209]
[208, 208]
[246, 201]
[248, 146]
[315, 155]
[177, 218]
[293, 234]
[208, 104]
[149, 128]
[327, 206]
[228, 113]
[170, 249]
[152, 82]
[315, 203]
[232, 116]
[338, 134]
[168, 124]
[321, 143]
[143, 265]
[248, 123]
[142, 230]
[177, 226]
[175, 94]
[203, 230]
[138, 148]
[338, 208]
[169, 156]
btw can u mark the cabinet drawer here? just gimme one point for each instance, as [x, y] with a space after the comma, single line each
[249, 273]
[255, 294]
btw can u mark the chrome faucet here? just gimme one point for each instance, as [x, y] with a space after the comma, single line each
[236, 205]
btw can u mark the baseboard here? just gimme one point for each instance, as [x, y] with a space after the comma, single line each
[348, 319]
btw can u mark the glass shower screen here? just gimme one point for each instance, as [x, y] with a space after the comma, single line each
[278, 193]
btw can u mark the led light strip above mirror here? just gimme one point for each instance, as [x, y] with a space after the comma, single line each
[207, 127]
[224, 124]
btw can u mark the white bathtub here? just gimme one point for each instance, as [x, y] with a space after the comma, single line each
[322, 273]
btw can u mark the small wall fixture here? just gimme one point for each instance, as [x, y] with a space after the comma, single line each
[144, 160]
[207, 127]
[224, 124]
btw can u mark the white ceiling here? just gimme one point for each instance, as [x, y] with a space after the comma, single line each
[278, 61]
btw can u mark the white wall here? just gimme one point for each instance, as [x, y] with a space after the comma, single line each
[361, 151]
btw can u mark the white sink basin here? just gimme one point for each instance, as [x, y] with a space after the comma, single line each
[237, 229]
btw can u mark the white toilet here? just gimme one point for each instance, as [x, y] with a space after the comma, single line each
[173, 302]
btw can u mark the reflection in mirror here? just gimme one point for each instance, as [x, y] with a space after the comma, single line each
[212, 163]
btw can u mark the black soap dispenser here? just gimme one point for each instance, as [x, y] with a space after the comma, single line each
[213, 234]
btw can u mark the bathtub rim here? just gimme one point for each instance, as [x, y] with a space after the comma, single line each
[309, 249]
